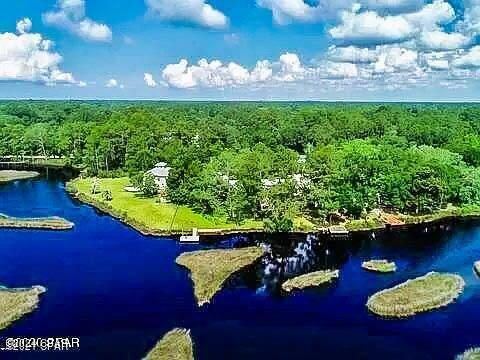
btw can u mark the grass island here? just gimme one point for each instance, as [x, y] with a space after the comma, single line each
[310, 280]
[381, 266]
[175, 345]
[15, 303]
[425, 293]
[470, 354]
[211, 268]
[47, 223]
[14, 175]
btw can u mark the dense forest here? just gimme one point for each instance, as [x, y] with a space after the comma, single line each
[266, 160]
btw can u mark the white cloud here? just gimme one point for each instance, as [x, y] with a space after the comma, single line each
[193, 11]
[369, 27]
[352, 54]
[471, 22]
[291, 68]
[205, 74]
[287, 69]
[395, 59]
[70, 15]
[289, 11]
[113, 83]
[24, 26]
[469, 59]
[149, 80]
[340, 70]
[29, 57]
[439, 40]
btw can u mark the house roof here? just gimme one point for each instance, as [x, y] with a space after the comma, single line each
[160, 171]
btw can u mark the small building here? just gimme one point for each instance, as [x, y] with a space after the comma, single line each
[160, 173]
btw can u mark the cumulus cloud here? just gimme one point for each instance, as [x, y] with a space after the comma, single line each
[352, 54]
[149, 80]
[439, 40]
[287, 69]
[70, 15]
[369, 27]
[29, 57]
[24, 26]
[197, 12]
[113, 83]
[469, 59]
[396, 59]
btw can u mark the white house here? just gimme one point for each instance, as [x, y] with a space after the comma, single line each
[160, 173]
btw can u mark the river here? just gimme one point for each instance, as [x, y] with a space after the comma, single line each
[120, 291]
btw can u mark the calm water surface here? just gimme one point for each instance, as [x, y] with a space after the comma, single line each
[120, 291]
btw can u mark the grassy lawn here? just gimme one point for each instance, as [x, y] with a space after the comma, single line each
[147, 214]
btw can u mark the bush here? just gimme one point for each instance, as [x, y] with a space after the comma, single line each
[107, 195]
[149, 186]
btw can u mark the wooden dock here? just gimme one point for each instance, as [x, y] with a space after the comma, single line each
[338, 232]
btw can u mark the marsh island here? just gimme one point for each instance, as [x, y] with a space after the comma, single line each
[381, 266]
[211, 268]
[310, 280]
[47, 223]
[424, 293]
[175, 345]
[15, 303]
[14, 175]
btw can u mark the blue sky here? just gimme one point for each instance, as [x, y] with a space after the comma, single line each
[372, 50]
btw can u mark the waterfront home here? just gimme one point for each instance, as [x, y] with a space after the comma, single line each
[160, 174]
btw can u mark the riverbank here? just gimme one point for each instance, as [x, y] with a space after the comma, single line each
[149, 216]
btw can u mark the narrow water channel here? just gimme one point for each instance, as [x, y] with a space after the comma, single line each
[120, 291]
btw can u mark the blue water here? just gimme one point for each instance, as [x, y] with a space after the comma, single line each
[120, 292]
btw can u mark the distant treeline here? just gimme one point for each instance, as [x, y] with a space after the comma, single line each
[267, 160]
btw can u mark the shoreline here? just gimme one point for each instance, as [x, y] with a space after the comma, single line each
[413, 222]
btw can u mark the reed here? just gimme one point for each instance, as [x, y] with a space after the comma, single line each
[425, 293]
[470, 354]
[16, 303]
[47, 223]
[211, 268]
[313, 279]
[382, 266]
[175, 345]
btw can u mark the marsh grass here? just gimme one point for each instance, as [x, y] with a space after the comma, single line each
[382, 266]
[175, 345]
[47, 223]
[211, 268]
[425, 293]
[310, 280]
[15, 303]
[470, 354]
[14, 175]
